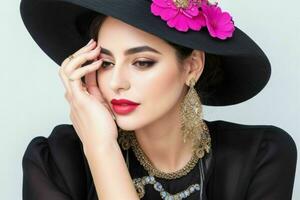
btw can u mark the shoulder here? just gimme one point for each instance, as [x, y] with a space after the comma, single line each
[232, 131]
[59, 157]
[62, 139]
[252, 159]
[254, 141]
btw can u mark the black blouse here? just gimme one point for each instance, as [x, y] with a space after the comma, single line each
[247, 162]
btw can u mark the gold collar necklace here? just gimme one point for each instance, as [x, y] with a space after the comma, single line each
[128, 139]
[147, 164]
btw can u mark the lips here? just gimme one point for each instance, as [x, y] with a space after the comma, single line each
[123, 101]
[123, 106]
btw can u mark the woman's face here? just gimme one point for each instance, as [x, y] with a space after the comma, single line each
[153, 79]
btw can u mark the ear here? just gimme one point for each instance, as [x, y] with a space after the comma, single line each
[194, 65]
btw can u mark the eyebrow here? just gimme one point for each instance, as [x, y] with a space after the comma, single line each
[131, 50]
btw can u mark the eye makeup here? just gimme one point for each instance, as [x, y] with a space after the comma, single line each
[142, 64]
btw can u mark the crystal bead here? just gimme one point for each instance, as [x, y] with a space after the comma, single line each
[158, 186]
[182, 195]
[169, 198]
[187, 193]
[192, 189]
[147, 179]
[163, 194]
[152, 180]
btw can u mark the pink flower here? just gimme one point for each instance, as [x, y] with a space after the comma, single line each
[181, 18]
[219, 24]
[194, 14]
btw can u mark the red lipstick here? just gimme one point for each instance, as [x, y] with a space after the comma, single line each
[123, 106]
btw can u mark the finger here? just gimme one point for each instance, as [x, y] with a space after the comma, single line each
[66, 83]
[84, 49]
[91, 45]
[92, 86]
[93, 89]
[76, 86]
[64, 76]
[64, 80]
[86, 69]
[81, 59]
[61, 72]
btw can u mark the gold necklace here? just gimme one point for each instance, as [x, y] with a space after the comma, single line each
[146, 163]
[128, 139]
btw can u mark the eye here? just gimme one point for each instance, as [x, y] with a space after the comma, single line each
[141, 64]
[144, 64]
[105, 64]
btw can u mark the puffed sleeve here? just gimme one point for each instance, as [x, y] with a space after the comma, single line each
[274, 172]
[40, 176]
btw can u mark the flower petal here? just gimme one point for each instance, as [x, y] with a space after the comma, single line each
[165, 3]
[219, 24]
[197, 22]
[168, 13]
[179, 22]
[156, 10]
[162, 3]
[192, 10]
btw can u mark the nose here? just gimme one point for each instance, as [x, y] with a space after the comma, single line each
[119, 79]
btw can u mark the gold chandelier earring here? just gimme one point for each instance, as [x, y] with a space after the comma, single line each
[192, 126]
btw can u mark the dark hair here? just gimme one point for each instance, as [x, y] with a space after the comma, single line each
[211, 76]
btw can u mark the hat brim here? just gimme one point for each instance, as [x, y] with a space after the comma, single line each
[53, 24]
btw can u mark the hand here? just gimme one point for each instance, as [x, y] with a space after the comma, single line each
[92, 117]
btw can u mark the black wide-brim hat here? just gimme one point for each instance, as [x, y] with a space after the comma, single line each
[59, 27]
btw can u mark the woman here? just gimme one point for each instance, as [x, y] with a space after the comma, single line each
[137, 129]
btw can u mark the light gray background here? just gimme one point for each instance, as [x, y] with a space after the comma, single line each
[32, 95]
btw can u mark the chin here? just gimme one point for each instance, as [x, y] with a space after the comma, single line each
[131, 123]
[127, 123]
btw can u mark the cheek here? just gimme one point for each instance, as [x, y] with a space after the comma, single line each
[161, 89]
[102, 81]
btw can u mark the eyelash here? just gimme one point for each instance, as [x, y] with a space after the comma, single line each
[148, 63]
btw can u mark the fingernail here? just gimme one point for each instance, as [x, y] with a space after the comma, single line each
[90, 42]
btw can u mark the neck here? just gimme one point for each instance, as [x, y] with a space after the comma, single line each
[162, 142]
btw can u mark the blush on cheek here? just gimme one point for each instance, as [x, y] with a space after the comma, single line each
[162, 89]
[102, 85]
[167, 81]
